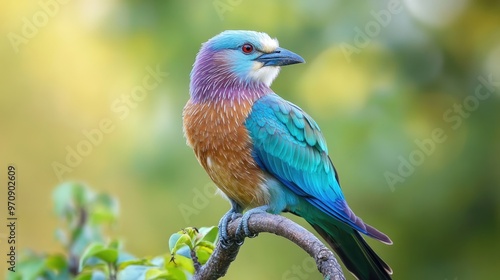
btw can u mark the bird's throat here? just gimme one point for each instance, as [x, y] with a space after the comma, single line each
[232, 89]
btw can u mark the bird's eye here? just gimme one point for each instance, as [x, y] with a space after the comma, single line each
[247, 48]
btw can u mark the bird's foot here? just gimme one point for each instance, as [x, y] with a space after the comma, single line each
[225, 239]
[243, 231]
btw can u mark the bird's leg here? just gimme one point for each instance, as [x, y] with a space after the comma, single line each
[243, 226]
[232, 214]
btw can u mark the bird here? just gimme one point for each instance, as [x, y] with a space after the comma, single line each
[264, 153]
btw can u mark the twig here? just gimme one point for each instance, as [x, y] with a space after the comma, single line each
[196, 262]
[221, 258]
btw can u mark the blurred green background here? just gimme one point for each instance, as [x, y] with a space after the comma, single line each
[379, 76]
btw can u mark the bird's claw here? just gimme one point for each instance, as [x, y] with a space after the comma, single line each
[243, 230]
[225, 239]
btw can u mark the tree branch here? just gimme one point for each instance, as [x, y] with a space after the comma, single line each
[221, 258]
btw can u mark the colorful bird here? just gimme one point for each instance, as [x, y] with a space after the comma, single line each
[265, 153]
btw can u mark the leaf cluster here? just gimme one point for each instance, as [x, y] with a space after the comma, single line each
[91, 255]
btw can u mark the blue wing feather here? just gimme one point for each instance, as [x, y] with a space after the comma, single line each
[289, 145]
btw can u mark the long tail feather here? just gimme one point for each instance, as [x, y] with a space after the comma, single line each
[355, 253]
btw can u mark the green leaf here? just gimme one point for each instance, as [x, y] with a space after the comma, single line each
[101, 215]
[99, 251]
[136, 262]
[133, 272]
[156, 273]
[80, 195]
[203, 253]
[67, 193]
[184, 251]
[69, 200]
[173, 240]
[175, 273]
[209, 234]
[82, 237]
[62, 196]
[124, 257]
[104, 209]
[87, 275]
[91, 275]
[159, 261]
[207, 244]
[56, 262]
[31, 267]
[183, 240]
[108, 255]
[179, 261]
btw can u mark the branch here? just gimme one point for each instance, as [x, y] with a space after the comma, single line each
[221, 258]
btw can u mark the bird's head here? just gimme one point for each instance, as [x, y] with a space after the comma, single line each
[237, 58]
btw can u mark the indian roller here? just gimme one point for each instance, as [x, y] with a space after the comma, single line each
[265, 153]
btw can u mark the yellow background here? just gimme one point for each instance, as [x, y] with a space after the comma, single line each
[372, 105]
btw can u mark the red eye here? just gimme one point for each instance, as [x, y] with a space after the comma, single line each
[247, 48]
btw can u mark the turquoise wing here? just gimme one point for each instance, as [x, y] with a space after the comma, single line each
[288, 144]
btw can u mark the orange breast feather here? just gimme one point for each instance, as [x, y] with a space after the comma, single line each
[218, 136]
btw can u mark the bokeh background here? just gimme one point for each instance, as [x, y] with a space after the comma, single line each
[374, 95]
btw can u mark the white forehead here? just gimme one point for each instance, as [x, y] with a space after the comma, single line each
[267, 44]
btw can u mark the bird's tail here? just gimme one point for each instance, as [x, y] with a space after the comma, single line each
[355, 253]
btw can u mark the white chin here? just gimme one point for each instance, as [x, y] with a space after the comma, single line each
[265, 74]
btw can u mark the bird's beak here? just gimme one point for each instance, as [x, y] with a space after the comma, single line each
[280, 57]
